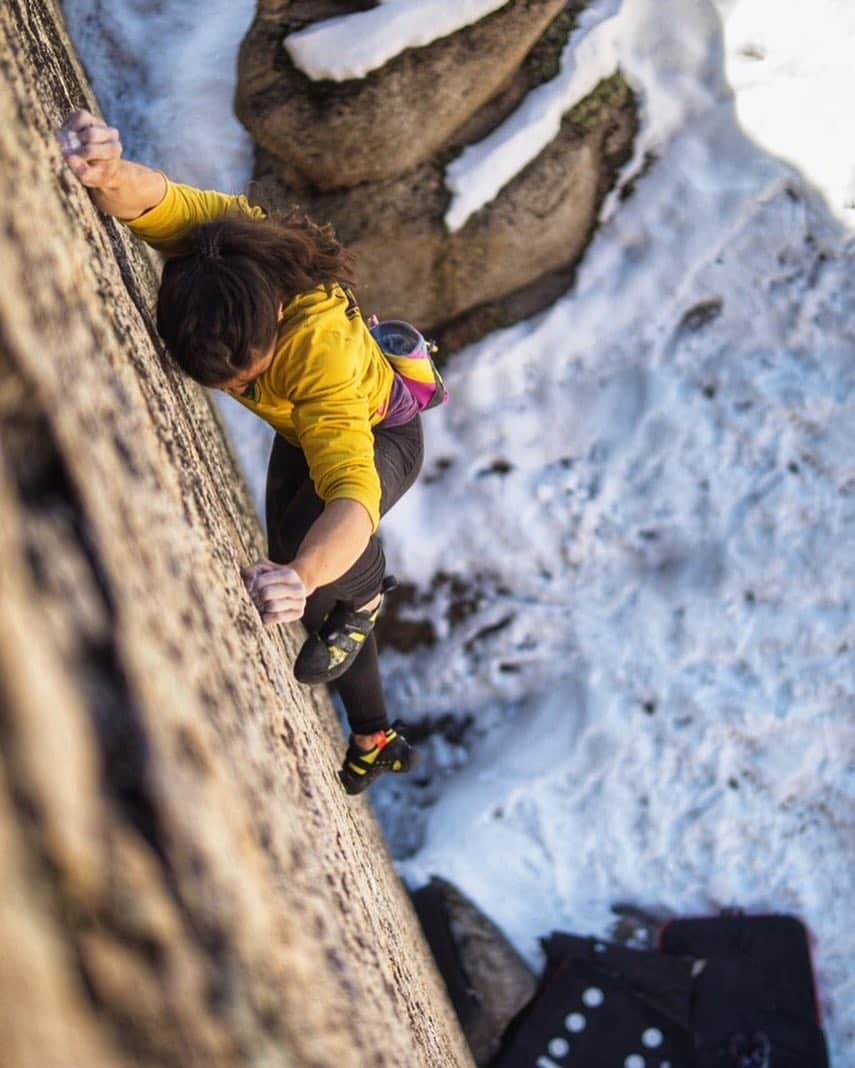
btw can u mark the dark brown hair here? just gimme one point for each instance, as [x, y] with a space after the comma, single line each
[218, 306]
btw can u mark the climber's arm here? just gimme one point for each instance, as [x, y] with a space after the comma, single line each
[334, 542]
[93, 151]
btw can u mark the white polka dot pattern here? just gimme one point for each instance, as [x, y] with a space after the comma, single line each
[652, 1038]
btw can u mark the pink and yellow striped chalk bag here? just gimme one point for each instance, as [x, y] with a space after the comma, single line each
[411, 356]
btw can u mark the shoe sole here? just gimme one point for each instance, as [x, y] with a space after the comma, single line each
[329, 676]
[354, 785]
[308, 679]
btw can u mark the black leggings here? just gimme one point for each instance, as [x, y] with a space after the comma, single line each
[292, 506]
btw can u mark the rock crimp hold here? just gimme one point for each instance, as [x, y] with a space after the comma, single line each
[182, 881]
[336, 135]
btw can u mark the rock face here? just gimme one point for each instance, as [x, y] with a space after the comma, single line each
[182, 882]
[369, 155]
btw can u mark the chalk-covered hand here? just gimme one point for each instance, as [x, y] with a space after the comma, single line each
[91, 149]
[277, 591]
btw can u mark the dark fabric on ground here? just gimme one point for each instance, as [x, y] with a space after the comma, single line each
[586, 1015]
[731, 991]
[756, 989]
[665, 982]
[292, 506]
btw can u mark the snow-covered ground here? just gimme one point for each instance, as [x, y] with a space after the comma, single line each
[648, 492]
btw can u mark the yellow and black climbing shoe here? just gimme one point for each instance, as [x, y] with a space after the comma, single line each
[391, 752]
[329, 653]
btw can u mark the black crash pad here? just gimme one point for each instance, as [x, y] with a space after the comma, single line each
[753, 1001]
[592, 1013]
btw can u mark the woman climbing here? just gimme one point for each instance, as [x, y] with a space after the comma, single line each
[261, 307]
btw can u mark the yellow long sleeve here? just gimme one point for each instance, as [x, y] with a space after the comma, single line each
[183, 207]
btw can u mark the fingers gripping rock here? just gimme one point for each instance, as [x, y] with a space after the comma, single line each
[277, 591]
[91, 148]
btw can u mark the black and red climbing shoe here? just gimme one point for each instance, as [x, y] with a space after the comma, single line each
[391, 752]
[329, 653]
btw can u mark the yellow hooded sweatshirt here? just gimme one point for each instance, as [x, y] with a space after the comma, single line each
[329, 382]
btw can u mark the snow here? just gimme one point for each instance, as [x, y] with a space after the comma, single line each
[792, 78]
[351, 46]
[790, 75]
[167, 78]
[653, 631]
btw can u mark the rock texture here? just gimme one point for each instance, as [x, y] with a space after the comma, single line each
[370, 155]
[182, 881]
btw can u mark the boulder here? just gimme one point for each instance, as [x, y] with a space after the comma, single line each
[182, 880]
[510, 259]
[487, 979]
[336, 135]
[370, 155]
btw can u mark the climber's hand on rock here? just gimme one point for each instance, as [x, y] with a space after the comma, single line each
[277, 591]
[91, 148]
[253, 572]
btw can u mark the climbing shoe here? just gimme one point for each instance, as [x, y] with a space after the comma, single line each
[391, 752]
[329, 653]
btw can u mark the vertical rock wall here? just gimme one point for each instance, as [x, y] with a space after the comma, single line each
[182, 882]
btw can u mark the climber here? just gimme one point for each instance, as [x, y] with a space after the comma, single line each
[260, 306]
